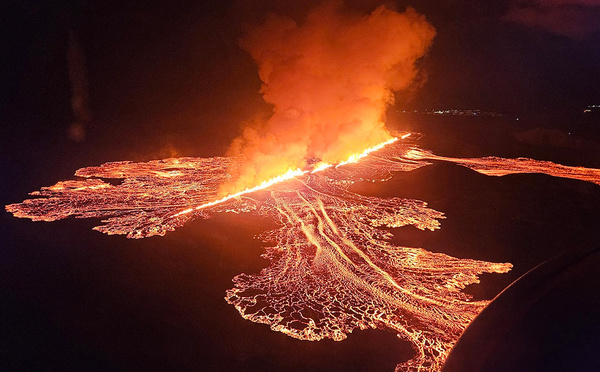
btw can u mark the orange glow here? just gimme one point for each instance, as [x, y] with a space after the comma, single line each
[284, 177]
[329, 78]
[289, 175]
[321, 166]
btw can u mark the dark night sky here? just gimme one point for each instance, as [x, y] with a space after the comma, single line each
[176, 69]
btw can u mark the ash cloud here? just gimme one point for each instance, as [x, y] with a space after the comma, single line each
[329, 79]
[572, 18]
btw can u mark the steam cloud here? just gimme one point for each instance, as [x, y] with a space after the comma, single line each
[329, 79]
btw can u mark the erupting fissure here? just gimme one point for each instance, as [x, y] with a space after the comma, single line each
[292, 174]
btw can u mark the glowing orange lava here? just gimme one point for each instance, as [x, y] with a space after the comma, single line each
[286, 176]
[495, 166]
[332, 266]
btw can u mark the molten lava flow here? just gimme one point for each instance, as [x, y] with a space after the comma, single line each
[286, 176]
[495, 166]
[356, 157]
[333, 268]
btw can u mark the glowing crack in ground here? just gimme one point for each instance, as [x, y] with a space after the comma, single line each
[332, 267]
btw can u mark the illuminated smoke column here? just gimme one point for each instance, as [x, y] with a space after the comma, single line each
[329, 79]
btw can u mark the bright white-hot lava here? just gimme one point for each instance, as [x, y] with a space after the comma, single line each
[356, 157]
[284, 177]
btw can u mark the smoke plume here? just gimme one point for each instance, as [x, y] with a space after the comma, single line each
[329, 80]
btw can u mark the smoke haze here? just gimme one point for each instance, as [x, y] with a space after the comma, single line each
[79, 89]
[573, 18]
[329, 80]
